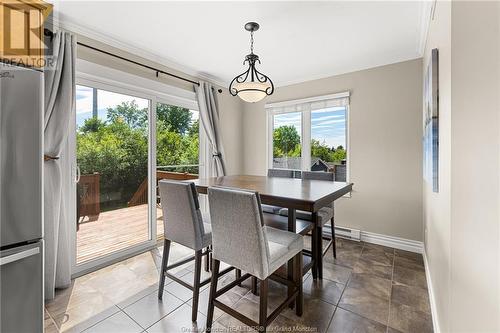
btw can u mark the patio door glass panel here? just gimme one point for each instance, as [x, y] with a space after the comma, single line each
[177, 147]
[112, 157]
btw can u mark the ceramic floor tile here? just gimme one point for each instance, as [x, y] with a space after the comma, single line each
[373, 285]
[117, 323]
[149, 309]
[408, 320]
[336, 273]
[366, 305]
[326, 290]
[379, 256]
[179, 291]
[369, 267]
[347, 322]
[179, 321]
[410, 277]
[415, 297]
[316, 316]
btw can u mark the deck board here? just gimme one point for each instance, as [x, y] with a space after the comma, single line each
[113, 231]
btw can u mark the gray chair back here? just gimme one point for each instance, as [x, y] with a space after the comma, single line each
[238, 238]
[318, 175]
[283, 173]
[182, 219]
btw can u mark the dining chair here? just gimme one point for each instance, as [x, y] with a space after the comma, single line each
[280, 173]
[185, 224]
[241, 239]
[325, 212]
[324, 215]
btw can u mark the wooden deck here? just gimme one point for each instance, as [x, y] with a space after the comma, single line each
[113, 231]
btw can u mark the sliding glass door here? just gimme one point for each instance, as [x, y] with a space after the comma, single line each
[112, 154]
[177, 147]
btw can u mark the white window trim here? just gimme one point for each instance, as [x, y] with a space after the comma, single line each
[101, 77]
[305, 128]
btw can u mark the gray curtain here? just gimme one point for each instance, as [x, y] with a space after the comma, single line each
[209, 114]
[59, 106]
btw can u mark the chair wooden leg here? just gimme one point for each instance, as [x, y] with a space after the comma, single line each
[254, 285]
[237, 273]
[213, 290]
[299, 301]
[319, 252]
[196, 284]
[263, 305]
[164, 263]
[207, 260]
[290, 277]
[334, 243]
[314, 246]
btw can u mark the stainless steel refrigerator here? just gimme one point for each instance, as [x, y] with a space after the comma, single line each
[21, 197]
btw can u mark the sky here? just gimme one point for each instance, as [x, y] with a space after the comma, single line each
[327, 125]
[105, 100]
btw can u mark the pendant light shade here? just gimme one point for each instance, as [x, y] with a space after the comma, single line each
[251, 85]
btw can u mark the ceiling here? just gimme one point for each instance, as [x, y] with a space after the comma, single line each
[297, 41]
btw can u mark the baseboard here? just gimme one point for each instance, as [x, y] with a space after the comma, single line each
[432, 299]
[390, 241]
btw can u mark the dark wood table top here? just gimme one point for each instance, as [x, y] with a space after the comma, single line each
[308, 195]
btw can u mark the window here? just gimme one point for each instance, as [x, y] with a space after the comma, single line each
[310, 134]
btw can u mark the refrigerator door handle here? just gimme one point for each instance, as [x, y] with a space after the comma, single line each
[19, 256]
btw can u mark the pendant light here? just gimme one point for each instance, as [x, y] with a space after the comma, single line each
[251, 86]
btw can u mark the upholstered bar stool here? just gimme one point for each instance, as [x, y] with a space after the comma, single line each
[324, 215]
[184, 224]
[240, 239]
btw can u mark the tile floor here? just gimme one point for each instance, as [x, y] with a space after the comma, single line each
[368, 288]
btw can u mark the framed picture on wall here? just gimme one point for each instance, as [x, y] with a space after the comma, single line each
[431, 122]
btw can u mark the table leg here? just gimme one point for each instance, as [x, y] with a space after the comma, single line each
[291, 228]
[316, 256]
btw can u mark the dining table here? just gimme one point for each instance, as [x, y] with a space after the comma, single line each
[292, 193]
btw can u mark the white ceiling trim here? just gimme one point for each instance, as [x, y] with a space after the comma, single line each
[119, 44]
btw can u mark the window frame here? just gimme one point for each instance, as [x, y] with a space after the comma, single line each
[305, 128]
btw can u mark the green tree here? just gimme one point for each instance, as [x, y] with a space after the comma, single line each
[92, 125]
[176, 118]
[321, 150]
[129, 113]
[286, 141]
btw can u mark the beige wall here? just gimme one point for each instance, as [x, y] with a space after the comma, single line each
[437, 206]
[385, 145]
[231, 109]
[462, 221]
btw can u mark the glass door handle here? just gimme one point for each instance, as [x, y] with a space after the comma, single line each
[78, 174]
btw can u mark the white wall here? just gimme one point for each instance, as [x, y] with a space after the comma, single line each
[463, 220]
[385, 145]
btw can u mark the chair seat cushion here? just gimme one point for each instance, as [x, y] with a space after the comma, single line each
[271, 209]
[325, 214]
[283, 245]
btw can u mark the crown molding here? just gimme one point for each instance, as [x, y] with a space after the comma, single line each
[116, 42]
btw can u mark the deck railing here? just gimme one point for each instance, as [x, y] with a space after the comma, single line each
[140, 196]
[88, 196]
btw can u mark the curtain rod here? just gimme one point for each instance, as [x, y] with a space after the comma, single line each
[50, 34]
